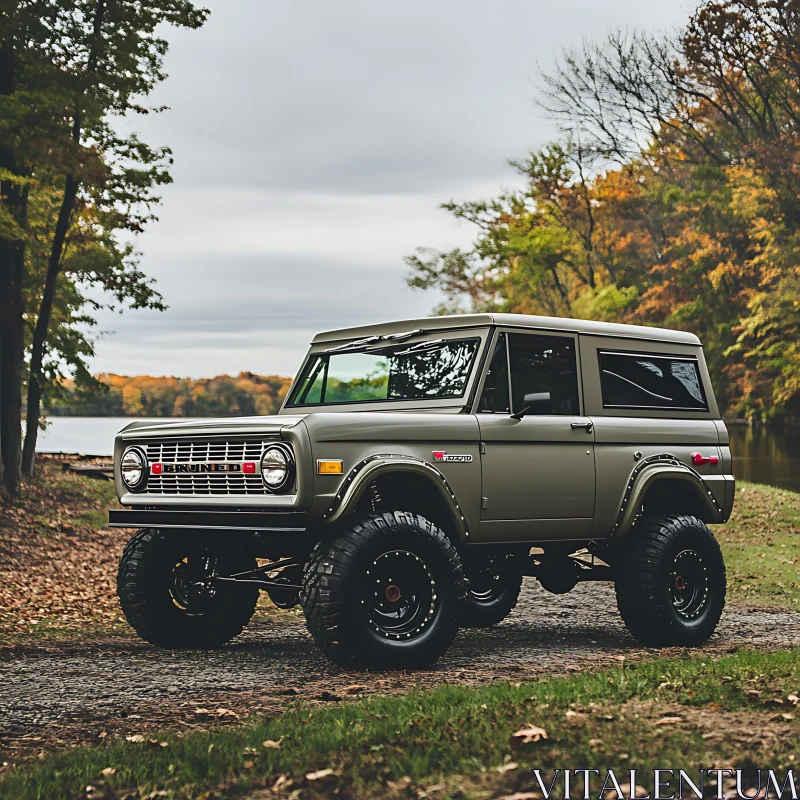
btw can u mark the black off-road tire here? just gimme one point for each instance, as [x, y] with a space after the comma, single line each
[144, 587]
[347, 587]
[488, 603]
[671, 587]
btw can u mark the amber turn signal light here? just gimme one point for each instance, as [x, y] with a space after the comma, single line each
[329, 467]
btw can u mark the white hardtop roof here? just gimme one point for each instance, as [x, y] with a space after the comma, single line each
[512, 320]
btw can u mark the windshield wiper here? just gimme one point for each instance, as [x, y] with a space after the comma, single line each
[420, 347]
[363, 344]
[353, 345]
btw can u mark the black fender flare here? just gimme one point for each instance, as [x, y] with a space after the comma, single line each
[367, 471]
[663, 466]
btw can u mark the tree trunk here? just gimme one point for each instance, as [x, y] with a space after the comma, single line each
[12, 267]
[588, 238]
[2, 383]
[12, 348]
[43, 325]
[71, 185]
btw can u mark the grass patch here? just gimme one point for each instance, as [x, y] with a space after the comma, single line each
[55, 499]
[94, 517]
[761, 545]
[457, 735]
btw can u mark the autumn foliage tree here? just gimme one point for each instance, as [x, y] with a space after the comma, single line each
[673, 199]
[146, 396]
[73, 191]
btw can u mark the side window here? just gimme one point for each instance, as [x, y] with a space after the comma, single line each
[494, 399]
[544, 364]
[642, 380]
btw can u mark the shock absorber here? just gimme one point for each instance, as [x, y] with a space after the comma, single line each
[375, 496]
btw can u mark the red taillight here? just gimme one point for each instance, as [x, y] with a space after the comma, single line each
[699, 458]
[155, 469]
[249, 467]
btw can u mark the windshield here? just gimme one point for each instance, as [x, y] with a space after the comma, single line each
[424, 371]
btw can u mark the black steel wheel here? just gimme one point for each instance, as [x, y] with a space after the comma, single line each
[671, 584]
[689, 584]
[384, 592]
[168, 592]
[400, 594]
[494, 583]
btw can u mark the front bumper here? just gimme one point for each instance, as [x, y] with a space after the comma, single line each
[201, 519]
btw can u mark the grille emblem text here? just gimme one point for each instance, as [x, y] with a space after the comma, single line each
[159, 468]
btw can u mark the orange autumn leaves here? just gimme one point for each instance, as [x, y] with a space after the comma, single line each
[690, 220]
[146, 396]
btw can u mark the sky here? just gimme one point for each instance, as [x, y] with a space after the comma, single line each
[313, 143]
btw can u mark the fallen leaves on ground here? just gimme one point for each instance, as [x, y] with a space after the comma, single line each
[218, 713]
[526, 735]
[521, 796]
[639, 791]
[322, 773]
[154, 744]
[58, 563]
[282, 783]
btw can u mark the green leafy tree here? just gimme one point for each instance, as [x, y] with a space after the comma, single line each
[110, 56]
[93, 258]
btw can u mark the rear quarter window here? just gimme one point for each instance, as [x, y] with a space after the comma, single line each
[644, 380]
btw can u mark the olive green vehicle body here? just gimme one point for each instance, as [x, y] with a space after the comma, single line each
[537, 479]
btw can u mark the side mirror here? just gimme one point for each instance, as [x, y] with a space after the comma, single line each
[535, 403]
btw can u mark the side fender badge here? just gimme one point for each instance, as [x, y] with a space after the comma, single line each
[442, 457]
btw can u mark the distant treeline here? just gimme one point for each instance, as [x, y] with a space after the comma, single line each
[147, 396]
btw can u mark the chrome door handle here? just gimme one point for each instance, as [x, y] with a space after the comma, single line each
[588, 425]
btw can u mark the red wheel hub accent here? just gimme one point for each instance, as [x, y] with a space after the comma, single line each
[680, 583]
[392, 593]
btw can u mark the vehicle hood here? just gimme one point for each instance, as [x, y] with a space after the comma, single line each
[191, 427]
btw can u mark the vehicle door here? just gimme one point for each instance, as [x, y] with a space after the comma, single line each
[538, 472]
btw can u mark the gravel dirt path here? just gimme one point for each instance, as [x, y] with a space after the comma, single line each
[65, 694]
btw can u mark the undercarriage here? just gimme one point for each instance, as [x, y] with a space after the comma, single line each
[558, 567]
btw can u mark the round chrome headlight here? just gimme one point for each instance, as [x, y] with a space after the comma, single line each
[133, 468]
[277, 467]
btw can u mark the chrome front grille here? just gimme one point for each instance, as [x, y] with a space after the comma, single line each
[206, 450]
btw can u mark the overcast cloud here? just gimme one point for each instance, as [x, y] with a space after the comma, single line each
[313, 141]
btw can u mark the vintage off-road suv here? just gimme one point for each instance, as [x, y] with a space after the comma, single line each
[418, 470]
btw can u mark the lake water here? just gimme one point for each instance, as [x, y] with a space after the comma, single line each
[765, 456]
[92, 436]
[760, 456]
